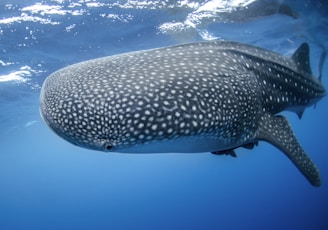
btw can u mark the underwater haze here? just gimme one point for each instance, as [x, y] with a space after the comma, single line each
[48, 183]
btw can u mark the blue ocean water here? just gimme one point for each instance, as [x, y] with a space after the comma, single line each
[47, 183]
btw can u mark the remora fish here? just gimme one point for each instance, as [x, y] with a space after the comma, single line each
[199, 97]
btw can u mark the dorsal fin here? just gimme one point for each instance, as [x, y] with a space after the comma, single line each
[301, 57]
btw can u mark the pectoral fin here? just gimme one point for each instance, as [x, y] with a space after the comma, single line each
[277, 131]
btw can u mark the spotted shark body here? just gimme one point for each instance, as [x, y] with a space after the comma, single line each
[200, 97]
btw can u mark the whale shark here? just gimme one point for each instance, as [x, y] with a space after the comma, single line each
[212, 96]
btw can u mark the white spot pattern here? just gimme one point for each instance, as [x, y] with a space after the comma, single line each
[213, 89]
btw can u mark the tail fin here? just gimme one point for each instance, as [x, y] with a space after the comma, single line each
[322, 61]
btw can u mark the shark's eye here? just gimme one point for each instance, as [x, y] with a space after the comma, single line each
[108, 146]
